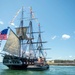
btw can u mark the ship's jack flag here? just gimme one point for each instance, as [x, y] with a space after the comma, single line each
[3, 34]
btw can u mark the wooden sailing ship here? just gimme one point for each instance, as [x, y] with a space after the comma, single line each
[18, 55]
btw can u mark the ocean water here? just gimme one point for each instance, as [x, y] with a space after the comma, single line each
[53, 70]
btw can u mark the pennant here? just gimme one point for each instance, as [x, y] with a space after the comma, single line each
[3, 34]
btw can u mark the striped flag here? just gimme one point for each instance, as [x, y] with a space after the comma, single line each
[3, 34]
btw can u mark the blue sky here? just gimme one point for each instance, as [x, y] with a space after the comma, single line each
[57, 19]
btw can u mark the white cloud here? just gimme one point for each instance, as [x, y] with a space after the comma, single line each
[12, 24]
[1, 22]
[65, 36]
[53, 37]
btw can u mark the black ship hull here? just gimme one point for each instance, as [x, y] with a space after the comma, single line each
[19, 63]
[17, 67]
[14, 62]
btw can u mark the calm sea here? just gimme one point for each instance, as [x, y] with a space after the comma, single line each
[53, 70]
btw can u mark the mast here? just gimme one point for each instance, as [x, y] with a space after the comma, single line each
[22, 20]
[31, 33]
[30, 24]
[21, 38]
[40, 42]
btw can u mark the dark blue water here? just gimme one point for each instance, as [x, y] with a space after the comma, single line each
[53, 70]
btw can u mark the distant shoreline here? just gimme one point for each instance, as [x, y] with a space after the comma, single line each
[63, 64]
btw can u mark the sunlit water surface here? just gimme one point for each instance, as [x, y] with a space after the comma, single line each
[53, 70]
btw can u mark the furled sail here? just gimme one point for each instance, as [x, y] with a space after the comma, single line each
[12, 45]
[21, 32]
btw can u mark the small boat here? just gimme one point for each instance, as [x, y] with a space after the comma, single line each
[21, 52]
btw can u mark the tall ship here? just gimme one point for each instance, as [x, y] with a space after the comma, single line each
[22, 50]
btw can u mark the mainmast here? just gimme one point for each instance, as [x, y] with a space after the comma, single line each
[30, 41]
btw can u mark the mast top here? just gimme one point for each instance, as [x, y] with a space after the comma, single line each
[22, 17]
[31, 13]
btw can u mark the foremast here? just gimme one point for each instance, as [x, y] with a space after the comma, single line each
[21, 33]
[21, 38]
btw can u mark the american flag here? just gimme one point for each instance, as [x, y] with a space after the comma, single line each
[3, 34]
